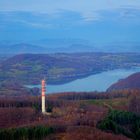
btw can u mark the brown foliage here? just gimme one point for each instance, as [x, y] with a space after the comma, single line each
[71, 115]
[134, 103]
[90, 133]
[12, 117]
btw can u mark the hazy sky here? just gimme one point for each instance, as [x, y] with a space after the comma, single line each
[100, 21]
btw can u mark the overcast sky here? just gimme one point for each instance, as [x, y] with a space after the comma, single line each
[99, 21]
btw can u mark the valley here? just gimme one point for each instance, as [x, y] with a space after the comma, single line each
[97, 82]
[82, 115]
[62, 68]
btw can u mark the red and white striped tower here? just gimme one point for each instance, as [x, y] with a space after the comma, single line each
[43, 83]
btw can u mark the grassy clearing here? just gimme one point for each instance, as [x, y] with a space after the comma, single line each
[111, 102]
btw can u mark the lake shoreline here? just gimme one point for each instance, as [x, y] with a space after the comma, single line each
[96, 82]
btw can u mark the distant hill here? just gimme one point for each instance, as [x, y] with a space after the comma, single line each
[54, 45]
[131, 82]
[65, 46]
[62, 67]
[59, 42]
[20, 48]
[12, 88]
[30, 68]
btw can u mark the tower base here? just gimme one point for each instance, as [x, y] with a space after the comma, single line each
[47, 113]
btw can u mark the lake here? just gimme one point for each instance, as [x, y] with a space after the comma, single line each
[97, 82]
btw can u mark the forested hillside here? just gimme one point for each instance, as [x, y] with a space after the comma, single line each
[62, 68]
[130, 83]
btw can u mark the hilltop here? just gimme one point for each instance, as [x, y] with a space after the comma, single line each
[131, 82]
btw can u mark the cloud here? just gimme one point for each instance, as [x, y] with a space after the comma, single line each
[35, 24]
[26, 19]
[97, 20]
[67, 19]
[91, 16]
[87, 8]
[63, 19]
[130, 13]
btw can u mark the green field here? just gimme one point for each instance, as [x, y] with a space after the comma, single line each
[109, 102]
